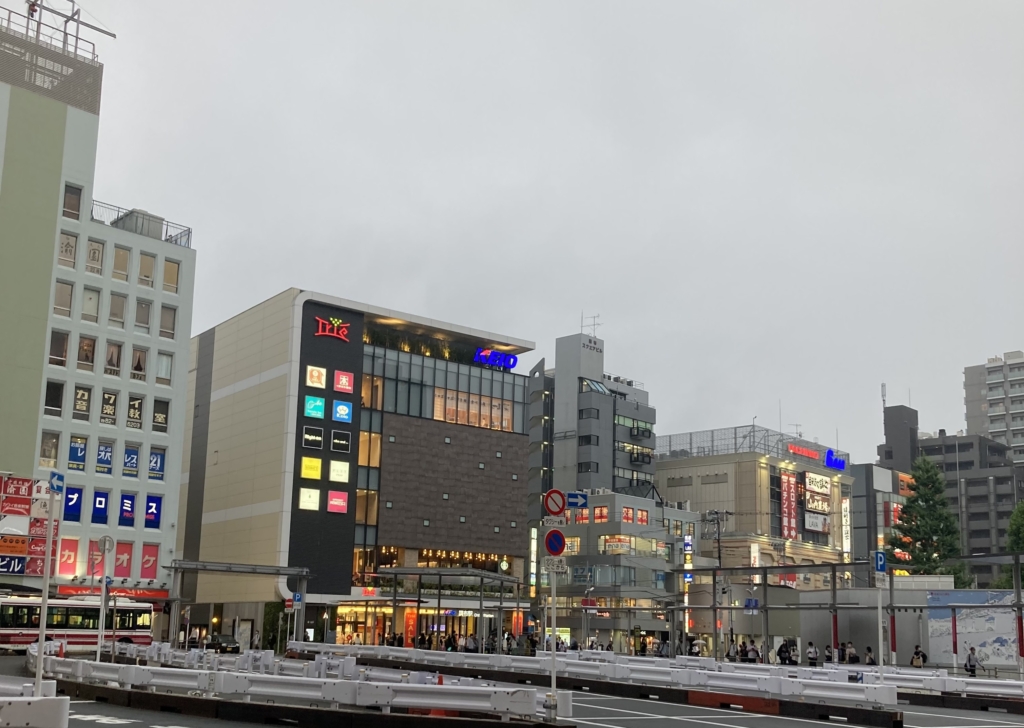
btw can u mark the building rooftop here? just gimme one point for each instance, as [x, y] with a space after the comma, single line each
[742, 439]
[52, 60]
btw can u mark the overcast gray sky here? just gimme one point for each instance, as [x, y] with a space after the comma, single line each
[762, 200]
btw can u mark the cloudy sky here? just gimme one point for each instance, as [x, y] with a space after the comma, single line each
[764, 201]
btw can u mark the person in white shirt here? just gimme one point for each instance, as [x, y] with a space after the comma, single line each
[812, 654]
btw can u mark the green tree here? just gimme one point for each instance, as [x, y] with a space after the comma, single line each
[1014, 542]
[927, 534]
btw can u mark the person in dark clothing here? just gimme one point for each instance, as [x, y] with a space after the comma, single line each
[783, 653]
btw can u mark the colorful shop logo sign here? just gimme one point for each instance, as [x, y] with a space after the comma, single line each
[493, 358]
[334, 327]
[832, 461]
[314, 407]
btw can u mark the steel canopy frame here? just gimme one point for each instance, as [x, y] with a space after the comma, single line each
[180, 567]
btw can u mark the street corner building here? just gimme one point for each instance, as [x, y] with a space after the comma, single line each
[385, 452]
[96, 309]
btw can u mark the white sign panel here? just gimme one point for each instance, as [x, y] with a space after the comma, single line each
[847, 540]
[818, 483]
[816, 522]
[554, 564]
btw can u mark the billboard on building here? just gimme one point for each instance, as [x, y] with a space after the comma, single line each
[820, 484]
[789, 524]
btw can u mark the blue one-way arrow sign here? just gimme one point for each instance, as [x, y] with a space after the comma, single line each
[56, 481]
[576, 500]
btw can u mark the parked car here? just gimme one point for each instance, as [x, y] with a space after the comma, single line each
[224, 644]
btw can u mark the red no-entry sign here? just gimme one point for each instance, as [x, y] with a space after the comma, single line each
[554, 502]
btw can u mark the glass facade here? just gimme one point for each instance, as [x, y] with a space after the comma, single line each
[422, 386]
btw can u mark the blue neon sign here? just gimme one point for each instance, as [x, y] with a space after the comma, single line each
[493, 358]
[836, 463]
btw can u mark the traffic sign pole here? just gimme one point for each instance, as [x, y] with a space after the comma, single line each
[51, 488]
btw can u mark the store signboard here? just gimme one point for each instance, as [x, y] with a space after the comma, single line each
[789, 524]
[817, 503]
[820, 484]
[817, 522]
[846, 530]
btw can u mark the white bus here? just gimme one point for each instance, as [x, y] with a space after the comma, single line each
[73, 621]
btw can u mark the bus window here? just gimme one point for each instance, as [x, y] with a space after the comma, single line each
[57, 617]
[125, 620]
[33, 617]
[143, 620]
[83, 617]
[14, 615]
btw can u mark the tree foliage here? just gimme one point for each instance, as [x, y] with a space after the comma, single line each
[1014, 542]
[927, 534]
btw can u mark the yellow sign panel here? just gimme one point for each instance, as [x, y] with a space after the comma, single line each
[311, 468]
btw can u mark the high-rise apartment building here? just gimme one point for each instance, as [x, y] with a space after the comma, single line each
[994, 401]
[96, 309]
[983, 486]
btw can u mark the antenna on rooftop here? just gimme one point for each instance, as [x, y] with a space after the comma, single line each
[594, 323]
[797, 430]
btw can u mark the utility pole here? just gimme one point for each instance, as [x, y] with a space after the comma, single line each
[715, 517]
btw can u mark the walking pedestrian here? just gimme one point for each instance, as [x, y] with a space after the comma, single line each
[812, 654]
[971, 663]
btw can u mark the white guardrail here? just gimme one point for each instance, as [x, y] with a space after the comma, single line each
[333, 682]
[830, 681]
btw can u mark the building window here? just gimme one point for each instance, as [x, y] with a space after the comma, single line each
[586, 467]
[48, 448]
[135, 407]
[426, 522]
[512, 524]
[627, 514]
[387, 504]
[118, 307]
[91, 305]
[447, 441]
[122, 263]
[444, 496]
[515, 477]
[585, 440]
[391, 438]
[58, 348]
[497, 454]
[147, 267]
[167, 318]
[164, 362]
[53, 402]
[590, 413]
[600, 514]
[94, 257]
[108, 409]
[112, 365]
[171, 270]
[86, 353]
[139, 363]
[66, 250]
[142, 311]
[161, 412]
[678, 528]
[72, 202]
[582, 515]
[62, 298]
[462, 519]
[497, 529]
[480, 465]
[83, 404]
[641, 517]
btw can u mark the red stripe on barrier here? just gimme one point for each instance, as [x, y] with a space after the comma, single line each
[750, 703]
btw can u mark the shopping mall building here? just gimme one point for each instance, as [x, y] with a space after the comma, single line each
[363, 444]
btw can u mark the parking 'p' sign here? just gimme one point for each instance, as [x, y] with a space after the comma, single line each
[554, 502]
[554, 542]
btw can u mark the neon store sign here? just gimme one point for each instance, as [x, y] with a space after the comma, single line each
[333, 327]
[805, 452]
[492, 358]
[833, 461]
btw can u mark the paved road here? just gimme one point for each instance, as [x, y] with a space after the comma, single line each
[610, 712]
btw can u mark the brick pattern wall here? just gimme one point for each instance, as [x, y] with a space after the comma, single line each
[418, 468]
